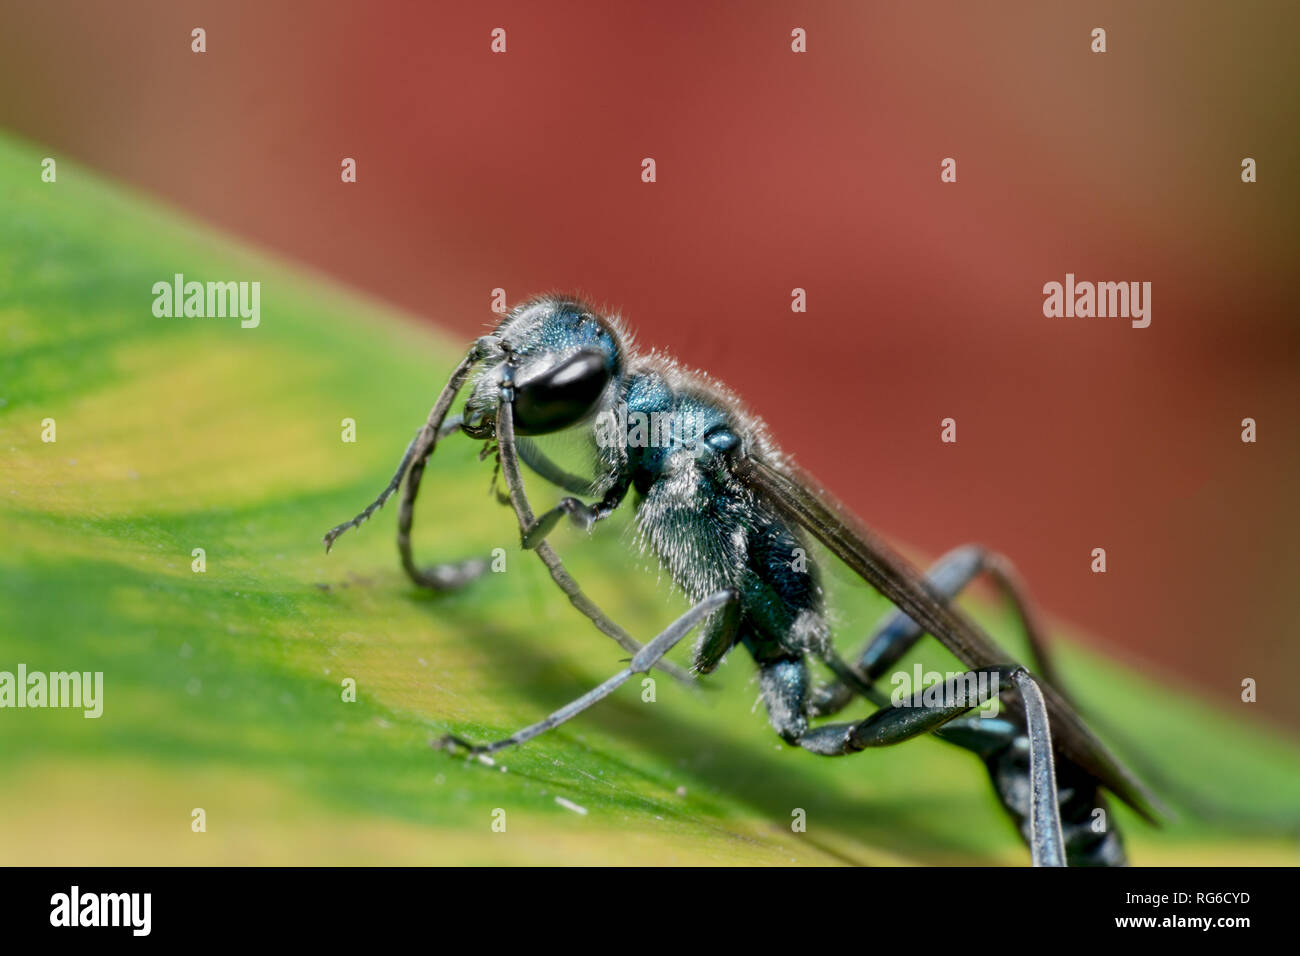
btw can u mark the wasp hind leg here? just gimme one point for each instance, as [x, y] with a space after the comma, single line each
[897, 633]
[784, 686]
[1091, 838]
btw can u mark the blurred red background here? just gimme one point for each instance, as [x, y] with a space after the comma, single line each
[820, 170]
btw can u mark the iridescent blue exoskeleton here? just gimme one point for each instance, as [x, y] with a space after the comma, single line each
[726, 513]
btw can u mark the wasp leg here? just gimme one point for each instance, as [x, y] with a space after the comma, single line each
[898, 633]
[384, 495]
[1091, 838]
[1046, 835]
[895, 724]
[448, 576]
[445, 576]
[440, 577]
[785, 685]
[647, 657]
[451, 425]
[581, 514]
[719, 637]
[533, 457]
[559, 574]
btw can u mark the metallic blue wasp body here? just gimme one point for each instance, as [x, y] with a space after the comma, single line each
[726, 514]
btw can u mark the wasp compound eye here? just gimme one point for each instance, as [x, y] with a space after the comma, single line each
[561, 395]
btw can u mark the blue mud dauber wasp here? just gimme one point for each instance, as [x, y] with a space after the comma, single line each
[725, 511]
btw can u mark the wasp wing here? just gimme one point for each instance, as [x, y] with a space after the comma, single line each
[864, 552]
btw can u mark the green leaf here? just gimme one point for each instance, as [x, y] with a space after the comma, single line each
[223, 689]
